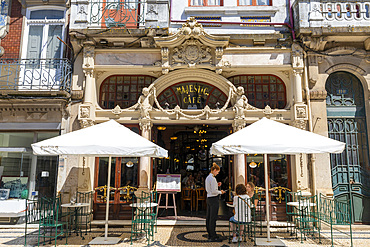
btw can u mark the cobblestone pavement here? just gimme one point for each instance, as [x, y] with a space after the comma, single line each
[182, 236]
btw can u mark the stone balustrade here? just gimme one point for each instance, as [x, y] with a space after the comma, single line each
[323, 13]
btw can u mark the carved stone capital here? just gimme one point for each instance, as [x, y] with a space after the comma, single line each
[89, 72]
[318, 95]
[298, 72]
[145, 124]
[238, 124]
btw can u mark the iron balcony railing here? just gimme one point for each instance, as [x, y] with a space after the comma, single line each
[35, 74]
[117, 13]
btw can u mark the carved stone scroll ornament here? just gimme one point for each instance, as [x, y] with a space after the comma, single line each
[300, 124]
[86, 123]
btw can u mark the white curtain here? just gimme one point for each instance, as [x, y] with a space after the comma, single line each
[196, 2]
[214, 2]
[245, 2]
[263, 2]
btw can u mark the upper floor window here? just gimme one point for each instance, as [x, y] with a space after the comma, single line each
[44, 31]
[254, 2]
[262, 90]
[122, 90]
[206, 2]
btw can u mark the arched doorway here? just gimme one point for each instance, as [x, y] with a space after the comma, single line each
[347, 123]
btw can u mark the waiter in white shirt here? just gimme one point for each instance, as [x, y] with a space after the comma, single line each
[212, 202]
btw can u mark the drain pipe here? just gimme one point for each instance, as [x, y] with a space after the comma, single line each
[289, 25]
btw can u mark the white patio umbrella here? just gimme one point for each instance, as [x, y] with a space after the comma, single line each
[270, 137]
[108, 139]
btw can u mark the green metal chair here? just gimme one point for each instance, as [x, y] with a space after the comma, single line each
[32, 215]
[245, 220]
[85, 214]
[50, 225]
[292, 211]
[143, 216]
[307, 220]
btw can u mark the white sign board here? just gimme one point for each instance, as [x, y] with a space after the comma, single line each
[169, 182]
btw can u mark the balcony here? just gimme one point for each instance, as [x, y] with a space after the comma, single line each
[334, 16]
[35, 75]
[119, 14]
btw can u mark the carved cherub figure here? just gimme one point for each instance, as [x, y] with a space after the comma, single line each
[240, 103]
[145, 102]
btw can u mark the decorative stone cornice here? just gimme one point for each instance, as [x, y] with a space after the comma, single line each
[318, 95]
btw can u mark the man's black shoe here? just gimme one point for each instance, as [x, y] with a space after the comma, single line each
[215, 240]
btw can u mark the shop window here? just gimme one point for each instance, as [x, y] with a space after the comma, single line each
[122, 90]
[262, 90]
[16, 160]
[254, 2]
[206, 2]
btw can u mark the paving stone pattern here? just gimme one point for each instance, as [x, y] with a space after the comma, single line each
[182, 236]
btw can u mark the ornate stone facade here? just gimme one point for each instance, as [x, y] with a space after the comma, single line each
[192, 47]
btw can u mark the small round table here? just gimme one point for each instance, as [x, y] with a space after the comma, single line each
[75, 207]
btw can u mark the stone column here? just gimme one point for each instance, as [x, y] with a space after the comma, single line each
[320, 126]
[297, 78]
[144, 164]
[87, 109]
[239, 159]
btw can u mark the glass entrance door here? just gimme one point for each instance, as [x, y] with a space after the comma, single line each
[123, 184]
[279, 181]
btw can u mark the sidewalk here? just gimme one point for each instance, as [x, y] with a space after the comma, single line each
[177, 235]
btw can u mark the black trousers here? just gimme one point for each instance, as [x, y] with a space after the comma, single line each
[212, 215]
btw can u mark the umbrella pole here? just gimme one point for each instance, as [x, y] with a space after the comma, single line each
[267, 202]
[108, 194]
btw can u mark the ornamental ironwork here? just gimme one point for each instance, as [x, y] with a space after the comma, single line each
[117, 13]
[35, 74]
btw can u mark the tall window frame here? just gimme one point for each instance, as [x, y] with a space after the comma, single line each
[206, 3]
[122, 90]
[48, 26]
[262, 90]
[254, 2]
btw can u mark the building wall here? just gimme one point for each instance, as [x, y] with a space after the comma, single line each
[12, 40]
